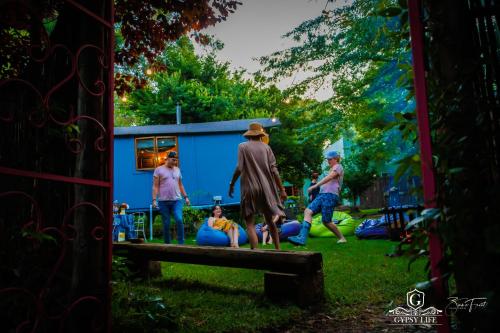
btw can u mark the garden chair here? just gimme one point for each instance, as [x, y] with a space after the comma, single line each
[397, 218]
[139, 222]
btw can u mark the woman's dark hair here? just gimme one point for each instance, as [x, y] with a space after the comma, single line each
[213, 208]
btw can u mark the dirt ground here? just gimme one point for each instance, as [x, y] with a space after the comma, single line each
[371, 321]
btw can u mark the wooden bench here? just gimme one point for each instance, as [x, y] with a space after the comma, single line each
[291, 275]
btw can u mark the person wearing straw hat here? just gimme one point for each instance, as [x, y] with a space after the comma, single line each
[261, 188]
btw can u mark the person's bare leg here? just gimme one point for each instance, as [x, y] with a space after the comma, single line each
[333, 228]
[236, 234]
[252, 236]
[231, 238]
[308, 215]
[273, 230]
[264, 237]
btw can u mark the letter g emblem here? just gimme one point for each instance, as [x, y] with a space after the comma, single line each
[415, 299]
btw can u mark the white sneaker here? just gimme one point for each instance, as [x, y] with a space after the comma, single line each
[343, 240]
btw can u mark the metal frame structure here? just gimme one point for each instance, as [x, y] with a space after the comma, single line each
[56, 171]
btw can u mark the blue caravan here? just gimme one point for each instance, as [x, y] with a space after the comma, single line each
[207, 158]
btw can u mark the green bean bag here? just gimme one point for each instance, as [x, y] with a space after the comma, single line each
[346, 225]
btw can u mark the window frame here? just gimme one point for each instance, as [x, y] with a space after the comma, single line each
[155, 139]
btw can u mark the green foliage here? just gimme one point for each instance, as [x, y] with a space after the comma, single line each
[138, 309]
[465, 169]
[409, 164]
[157, 226]
[465, 149]
[204, 88]
[192, 217]
[208, 91]
[360, 174]
[49, 25]
[296, 154]
[34, 235]
[360, 50]
[367, 154]
[14, 60]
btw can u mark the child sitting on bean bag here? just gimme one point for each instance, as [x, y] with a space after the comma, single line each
[219, 222]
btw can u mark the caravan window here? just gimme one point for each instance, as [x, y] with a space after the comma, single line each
[150, 152]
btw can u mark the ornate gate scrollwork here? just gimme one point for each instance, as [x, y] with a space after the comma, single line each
[56, 128]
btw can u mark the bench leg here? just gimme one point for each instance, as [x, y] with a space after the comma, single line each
[143, 268]
[302, 289]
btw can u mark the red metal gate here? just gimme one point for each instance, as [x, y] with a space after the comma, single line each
[56, 130]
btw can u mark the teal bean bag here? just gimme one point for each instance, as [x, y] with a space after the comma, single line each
[343, 221]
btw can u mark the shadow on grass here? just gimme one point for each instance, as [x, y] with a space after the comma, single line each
[183, 284]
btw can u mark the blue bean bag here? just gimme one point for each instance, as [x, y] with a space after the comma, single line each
[288, 228]
[372, 229]
[208, 236]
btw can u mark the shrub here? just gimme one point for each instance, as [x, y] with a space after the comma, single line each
[138, 308]
[192, 218]
[157, 226]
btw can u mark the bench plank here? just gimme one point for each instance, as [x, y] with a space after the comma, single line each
[303, 262]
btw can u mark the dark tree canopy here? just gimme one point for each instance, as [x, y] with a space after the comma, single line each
[148, 27]
[143, 28]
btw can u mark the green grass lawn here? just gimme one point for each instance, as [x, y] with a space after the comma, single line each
[358, 275]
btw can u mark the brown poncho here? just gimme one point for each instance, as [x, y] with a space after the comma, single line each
[259, 193]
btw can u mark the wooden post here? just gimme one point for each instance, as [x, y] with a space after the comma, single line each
[142, 267]
[303, 289]
[435, 246]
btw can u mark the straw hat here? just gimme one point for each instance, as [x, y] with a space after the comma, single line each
[255, 129]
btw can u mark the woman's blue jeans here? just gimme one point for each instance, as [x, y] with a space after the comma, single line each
[173, 207]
